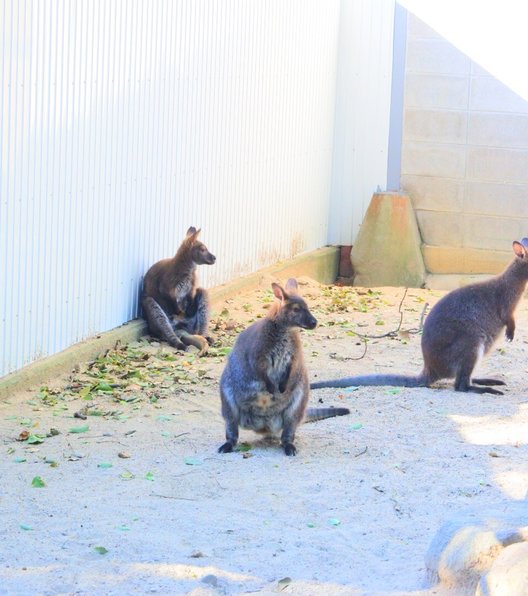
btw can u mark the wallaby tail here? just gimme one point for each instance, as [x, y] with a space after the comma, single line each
[313, 414]
[420, 380]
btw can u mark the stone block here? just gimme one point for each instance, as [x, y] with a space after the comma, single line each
[436, 56]
[492, 198]
[498, 130]
[451, 281]
[424, 90]
[387, 249]
[434, 194]
[464, 261]
[433, 159]
[497, 165]
[488, 94]
[440, 229]
[438, 126]
[493, 233]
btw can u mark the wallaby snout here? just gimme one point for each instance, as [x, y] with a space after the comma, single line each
[310, 322]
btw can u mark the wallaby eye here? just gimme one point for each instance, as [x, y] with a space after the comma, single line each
[296, 308]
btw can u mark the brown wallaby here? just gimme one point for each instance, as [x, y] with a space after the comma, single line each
[460, 329]
[264, 386]
[176, 310]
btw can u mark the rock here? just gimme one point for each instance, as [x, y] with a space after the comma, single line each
[210, 580]
[466, 549]
[508, 574]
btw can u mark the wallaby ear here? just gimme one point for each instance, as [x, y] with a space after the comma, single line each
[192, 234]
[291, 286]
[279, 292]
[520, 249]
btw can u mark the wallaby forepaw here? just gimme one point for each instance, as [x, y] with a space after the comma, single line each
[227, 447]
[290, 449]
[210, 340]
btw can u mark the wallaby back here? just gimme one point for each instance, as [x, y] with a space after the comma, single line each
[264, 386]
[460, 329]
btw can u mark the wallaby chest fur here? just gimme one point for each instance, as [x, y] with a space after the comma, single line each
[264, 386]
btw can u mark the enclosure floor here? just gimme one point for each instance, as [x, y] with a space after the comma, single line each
[137, 500]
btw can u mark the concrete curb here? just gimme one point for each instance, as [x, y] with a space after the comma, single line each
[321, 265]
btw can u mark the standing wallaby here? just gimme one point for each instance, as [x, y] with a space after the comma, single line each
[461, 328]
[264, 386]
[176, 310]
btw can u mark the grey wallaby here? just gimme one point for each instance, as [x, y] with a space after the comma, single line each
[264, 386]
[460, 329]
[177, 311]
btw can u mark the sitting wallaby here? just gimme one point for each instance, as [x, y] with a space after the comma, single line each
[460, 329]
[264, 386]
[176, 310]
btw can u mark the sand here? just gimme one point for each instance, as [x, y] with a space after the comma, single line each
[138, 500]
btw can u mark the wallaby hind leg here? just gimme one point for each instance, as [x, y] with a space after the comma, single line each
[463, 383]
[159, 324]
[196, 319]
[232, 421]
[488, 382]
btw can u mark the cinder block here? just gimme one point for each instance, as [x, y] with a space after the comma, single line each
[440, 228]
[490, 198]
[464, 261]
[416, 28]
[430, 159]
[436, 91]
[434, 194]
[436, 56]
[497, 165]
[436, 126]
[488, 94]
[387, 248]
[493, 233]
[498, 130]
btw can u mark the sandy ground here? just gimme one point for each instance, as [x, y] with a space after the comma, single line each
[136, 499]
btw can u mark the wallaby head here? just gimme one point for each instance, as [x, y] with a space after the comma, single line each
[521, 252]
[199, 253]
[292, 310]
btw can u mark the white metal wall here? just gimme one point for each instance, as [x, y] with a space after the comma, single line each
[362, 117]
[124, 122]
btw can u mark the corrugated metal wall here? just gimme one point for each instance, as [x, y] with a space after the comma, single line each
[362, 118]
[125, 122]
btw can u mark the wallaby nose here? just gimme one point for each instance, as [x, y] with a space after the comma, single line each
[212, 259]
[312, 322]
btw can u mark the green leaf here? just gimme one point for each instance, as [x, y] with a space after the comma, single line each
[356, 426]
[79, 429]
[25, 527]
[20, 460]
[334, 521]
[393, 391]
[126, 475]
[149, 476]
[101, 550]
[243, 447]
[105, 465]
[123, 528]
[192, 461]
[37, 482]
[104, 386]
[35, 439]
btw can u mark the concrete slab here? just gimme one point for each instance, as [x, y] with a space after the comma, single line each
[387, 249]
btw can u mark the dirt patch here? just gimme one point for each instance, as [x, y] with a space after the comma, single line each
[137, 500]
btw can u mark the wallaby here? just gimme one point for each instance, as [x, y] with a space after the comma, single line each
[460, 329]
[264, 386]
[176, 310]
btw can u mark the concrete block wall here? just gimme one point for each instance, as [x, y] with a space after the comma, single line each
[464, 157]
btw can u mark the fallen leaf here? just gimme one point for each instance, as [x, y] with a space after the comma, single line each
[37, 482]
[101, 550]
[79, 429]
